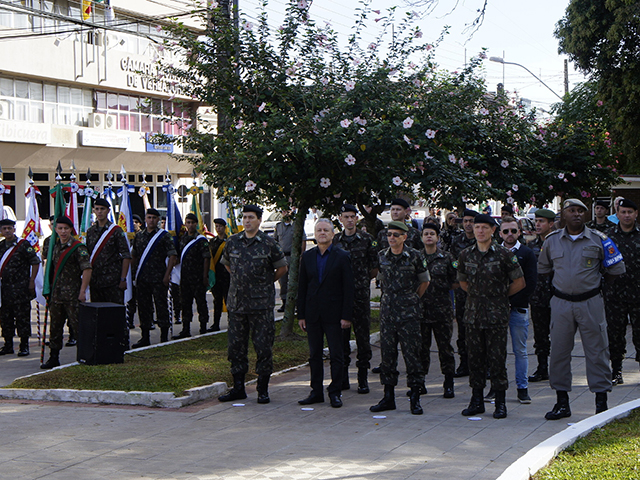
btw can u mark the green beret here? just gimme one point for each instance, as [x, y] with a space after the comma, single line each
[545, 213]
[398, 226]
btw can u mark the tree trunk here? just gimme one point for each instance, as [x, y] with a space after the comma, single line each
[371, 217]
[294, 270]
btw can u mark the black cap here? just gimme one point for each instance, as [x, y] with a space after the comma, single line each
[347, 207]
[101, 202]
[7, 221]
[625, 202]
[220, 221]
[602, 203]
[137, 217]
[431, 226]
[484, 218]
[507, 208]
[152, 211]
[401, 202]
[253, 209]
[470, 213]
[191, 216]
[65, 221]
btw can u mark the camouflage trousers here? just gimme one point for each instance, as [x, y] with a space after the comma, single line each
[58, 314]
[461, 342]
[148, 295]
[16, 316]
[176, 300]
[619, 314]
[407, 334]
[260, 325]
[541, 319]
[438, 322]
[361, 324]
[187, 294]
[220, 291]
[108, 294]
[487, 349]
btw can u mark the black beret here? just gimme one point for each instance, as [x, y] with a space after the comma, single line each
[348, 208]
[625, 202]
[401, 202]
[191, 216]
[101, 202]
[220, 221]
[253, 209]
[431, 226]
[602, 203]
[64, 220]
[470, 213]
[137, 217]
[152, 211]
[507, 208]
[484, 218]
[7, 221]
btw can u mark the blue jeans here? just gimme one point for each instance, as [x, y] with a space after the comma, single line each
[519, 330]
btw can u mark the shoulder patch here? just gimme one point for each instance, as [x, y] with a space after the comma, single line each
[514, 259]
[424, 262]
[374, 243]
[455, 264]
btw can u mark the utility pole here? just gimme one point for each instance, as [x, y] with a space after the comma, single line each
[566, 76]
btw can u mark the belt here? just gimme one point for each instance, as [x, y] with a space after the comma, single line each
[287, 254]
[575, 298]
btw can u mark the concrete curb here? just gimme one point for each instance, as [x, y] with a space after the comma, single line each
[540, 455]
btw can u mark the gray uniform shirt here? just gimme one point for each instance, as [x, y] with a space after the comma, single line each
[576, 264]
[283, 234]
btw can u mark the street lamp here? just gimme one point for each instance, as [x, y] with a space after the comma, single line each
[501, 60]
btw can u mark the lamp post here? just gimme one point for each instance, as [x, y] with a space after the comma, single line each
[501, 60]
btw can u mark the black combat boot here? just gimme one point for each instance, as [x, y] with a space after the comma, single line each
[345, 379]
[423, 390]
[416, 408]
[237, 392]
[24, 347]
[215, 327]
[185, 333]
[616, 375]
[54, 360]
[7, 349]
[561, 408]
[284, 305]
[388, 402]
[363, 383]
[542, 372]
[448, 387]
[144, 340]
[501, 405]
[263, 389]
[164, 334]
[203, 328]
[476, 405]
[463, 368]
[601, 402]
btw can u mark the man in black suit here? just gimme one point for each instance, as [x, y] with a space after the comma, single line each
[325, 306]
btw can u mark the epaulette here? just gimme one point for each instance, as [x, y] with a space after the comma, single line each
[552, 233]
[602, 235]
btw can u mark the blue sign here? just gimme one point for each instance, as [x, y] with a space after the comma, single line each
[158, 147]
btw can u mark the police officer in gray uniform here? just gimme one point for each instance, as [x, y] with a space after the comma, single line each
[578, 257]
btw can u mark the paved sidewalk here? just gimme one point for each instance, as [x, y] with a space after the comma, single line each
[212, 440]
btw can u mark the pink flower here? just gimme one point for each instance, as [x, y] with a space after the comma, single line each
[350, 85]
[429, 47]
[361, 131]
[350, 160]
[599, 103]
[592, 153]
[509, 193]
[561, 176]
[550, 187]
[377, 12]
[489, 184]
[345, 123]
[372, 46]
[247, 26]
[484, 173]
[407, 139]
[573, 174]
[302, 4]
[585, 194]
[566, 180]
[418, 34]
[324, 80]
[510, 200]
[360, 121]
[452, 158]
[514, 187]
[261, 107]
[504, 163]
[430, 133]
[290, 71]
[407, 122]
[427, 156]
[483, 111]
[397, 181]
[325, 182]
[250, 185]
[240, 124]
[417, 82]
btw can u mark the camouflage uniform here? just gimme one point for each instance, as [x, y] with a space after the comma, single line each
[150, 288]
[540, 307]
[413, 240]
[437, 316]
[251, 299]
[364, 259]
[63, 301]
[16, 296]
[191, 281]
[487, 311]
[458, 244]
[220, 289]
[601, 227]
[400, 314]
[447, 235]
[107, 265]
[622, 304]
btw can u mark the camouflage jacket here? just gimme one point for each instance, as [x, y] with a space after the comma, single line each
[155, 265]
[447, 235]
[460, 242]
[625, 287]
[488, 275]
[222, 275]
[413, 239]
[442, 270]
[69, 279]
[17, 272]
[602, 227]
[541, 296]
[252, 262]
[364, 258]
[107, 265]
[192, 263]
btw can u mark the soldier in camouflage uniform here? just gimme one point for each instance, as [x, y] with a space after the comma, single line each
[464, 240]
[490, 274]
[541, 298]
[404, 279]
[70, 274]
[449, 231]
[437, 317]
[399, 209]
[152, 276]
[364, 262]
[194, 276]
[220, 289]
[111, 263]
[18, 272]
[255, 262]
[601, 222]
[622, 304]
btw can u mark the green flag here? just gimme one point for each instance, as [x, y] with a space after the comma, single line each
[58, 211]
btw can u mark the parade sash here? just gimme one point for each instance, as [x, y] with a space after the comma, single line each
[212, 265]
[103, 241]
[62, 261]
[178, 273]
[151, 246]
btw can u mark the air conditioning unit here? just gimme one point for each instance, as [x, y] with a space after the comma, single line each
[111, 122]
[96, 120]
[4, 109]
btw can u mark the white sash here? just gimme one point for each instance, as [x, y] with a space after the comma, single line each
[4, 259]
[177, 273]
[102, 239]
[147, 250]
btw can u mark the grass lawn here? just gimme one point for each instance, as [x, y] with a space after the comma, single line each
[608, 453]
[172, 368]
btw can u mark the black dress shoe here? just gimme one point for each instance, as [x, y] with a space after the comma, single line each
[72, 342]
[449, 392]
[6, 350]
[601, 402]
[335, 400]
[376, 369]
[311, 399]
[560, 410]
[462, 371]
[143, 342]
[23, 352]
[51, 363]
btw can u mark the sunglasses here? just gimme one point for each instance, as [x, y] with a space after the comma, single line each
[394, 234]
[510, 230]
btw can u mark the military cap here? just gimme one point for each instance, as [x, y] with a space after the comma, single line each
[470, 213]
[431, 226]
[602, 203]
[220, 221]
[398, 226]
[137, 217]
[7, 221]
[507, 208]
[625, 202]
[152, 211]
[484, 218]
[347, 207]
[573, 202]
[65, 221]
[545, 213]
[191, 216]
[401, 202]
[252, 209]
[101, 202]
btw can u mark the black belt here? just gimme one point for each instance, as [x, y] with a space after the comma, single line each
[575, 298]
[287, 254]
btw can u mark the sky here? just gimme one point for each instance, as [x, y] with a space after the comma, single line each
[519, 31]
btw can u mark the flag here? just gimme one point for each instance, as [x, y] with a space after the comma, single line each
[109, 15]
[195, 208]
[125, 222]
[72, 207]
[109, 195]
[58, 211]
[3, 189]
[174, 219]
[143, 192]
[32, 233]
[87, 211]
[86, 9]
[232, 225]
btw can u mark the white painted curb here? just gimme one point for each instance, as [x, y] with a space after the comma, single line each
[540, 455]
